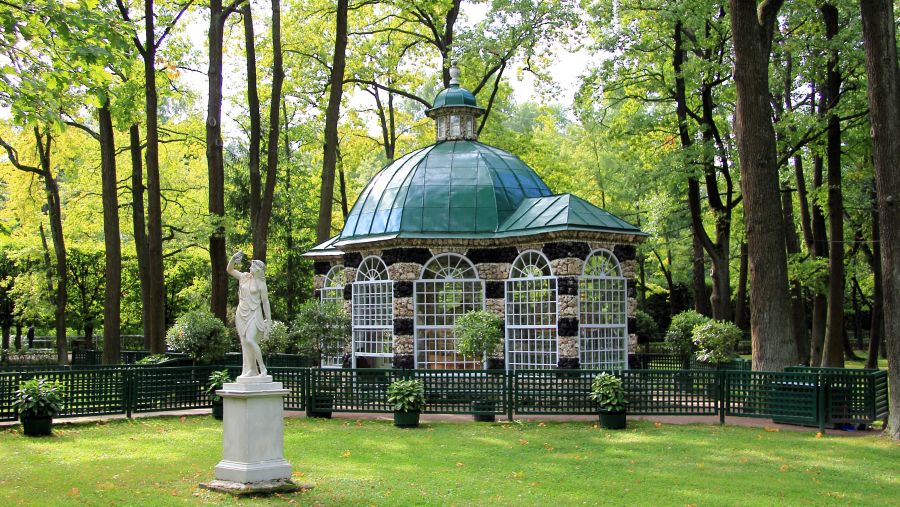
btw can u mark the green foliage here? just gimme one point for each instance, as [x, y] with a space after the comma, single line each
[680, 336]
[478, 333]
[716, 341]
[406, 395]
[609, 394]
[321, 329]
[278, 341]
[39, 397]
[646, 328]
[216, 381]
[200, 335]
[152, 359]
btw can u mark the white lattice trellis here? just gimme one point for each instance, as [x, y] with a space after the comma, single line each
[603, 313]
[449, 287]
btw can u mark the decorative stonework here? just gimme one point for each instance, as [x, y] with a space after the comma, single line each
[403, 289]
[567, 326]
[403, 327]
[567, 346]
[350, 274]
[567, 266]
[405, 271]
[318, 282]
[632, 343]
[506, 255]
[403, 308]
[348, 307]
[404, 345]
[632, 306]
[568, 306]
[493, 270]
[495, 306]
[567, 285]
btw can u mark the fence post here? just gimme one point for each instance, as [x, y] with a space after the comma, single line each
[307, 391]
[128, 394]
[509, 394]
[821, 400]
[722, 380]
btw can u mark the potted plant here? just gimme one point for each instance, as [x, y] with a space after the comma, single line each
[407, 397]
[609, 394]
[217, 381]
[479, 334]
[36, 402]
[321, 331]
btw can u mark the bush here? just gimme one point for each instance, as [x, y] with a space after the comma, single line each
[278, 341]
[680, 336]
[716, 341]
[406, 395]
[478, 333]
[39, 397]
[200, 335]
[321, 329]
[609, 394]
[646, 328]
[152, 359]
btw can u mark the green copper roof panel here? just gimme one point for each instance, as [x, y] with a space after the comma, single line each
[563, 212]
[455, 187]
[454, 96]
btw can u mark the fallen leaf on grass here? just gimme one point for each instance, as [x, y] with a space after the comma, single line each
[548, 446]
[73, 492]
[174, 492]
[345, 454]
[658, 424]
[523, 441]
[785, 467]
[541, 425]
[771, 429]
[460, 465]
[818, 434]
[182, 419]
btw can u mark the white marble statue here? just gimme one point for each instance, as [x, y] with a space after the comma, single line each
[253, 317]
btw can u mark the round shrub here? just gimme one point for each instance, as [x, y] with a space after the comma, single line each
[716, 341]
[645, 327]
[278, 341]
[680, 336]
[478, 333]
[320, 330]
[200, 335]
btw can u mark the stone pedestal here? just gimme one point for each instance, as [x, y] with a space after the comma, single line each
[253, 438]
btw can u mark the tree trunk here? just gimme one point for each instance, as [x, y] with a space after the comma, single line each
[140, 232]
[698, 272]
[216, 162]
[819, 249]
[884, 115]
[771, 325]
[156, 324]
[261, 229]
[255, 129]
[740, 311]
[329, 159]
[833, 353]
[876, 327]
[798, 309]
[291, 295]
[112, 242]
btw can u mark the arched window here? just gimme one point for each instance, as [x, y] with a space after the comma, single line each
[531, 315]
[333, 291]
[373, 310]
[449, 287]
[602, 314]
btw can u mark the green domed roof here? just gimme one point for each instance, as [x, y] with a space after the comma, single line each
[454, 96]
[453, 188]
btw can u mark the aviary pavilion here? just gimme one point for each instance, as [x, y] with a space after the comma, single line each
[459, 226]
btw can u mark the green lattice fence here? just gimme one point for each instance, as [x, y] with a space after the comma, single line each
[294, 380]
[788, 397]
[154, 389]
[855, 396]
[98, 391]
[681, 392]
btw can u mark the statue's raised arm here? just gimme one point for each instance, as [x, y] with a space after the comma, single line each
[237, 257]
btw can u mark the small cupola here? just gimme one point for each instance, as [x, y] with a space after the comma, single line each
[454, 111]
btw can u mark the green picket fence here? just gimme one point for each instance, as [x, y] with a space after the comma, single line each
[810, 396]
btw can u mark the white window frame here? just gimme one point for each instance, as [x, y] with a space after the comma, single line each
[373, 310]
[602, 313]
[536, 330]
[333, 292]
[434, 319]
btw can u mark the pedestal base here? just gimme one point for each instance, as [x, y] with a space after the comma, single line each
[253, 437]
[255, 488]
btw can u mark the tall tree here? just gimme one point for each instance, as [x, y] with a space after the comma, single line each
[884, 114]
[332, 113]
[112, 314]
[771, 325]
[215, 159]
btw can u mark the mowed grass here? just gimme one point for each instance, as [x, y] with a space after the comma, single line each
[160, 461]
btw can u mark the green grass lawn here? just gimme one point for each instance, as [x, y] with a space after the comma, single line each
[882, 362]
[160, 461]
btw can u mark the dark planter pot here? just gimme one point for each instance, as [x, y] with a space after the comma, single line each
[320, 406]
[35, 426]
[218, 410]
[483, 411]
[612, 420]
[406, 419]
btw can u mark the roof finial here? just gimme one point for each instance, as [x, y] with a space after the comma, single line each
[454, 73]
